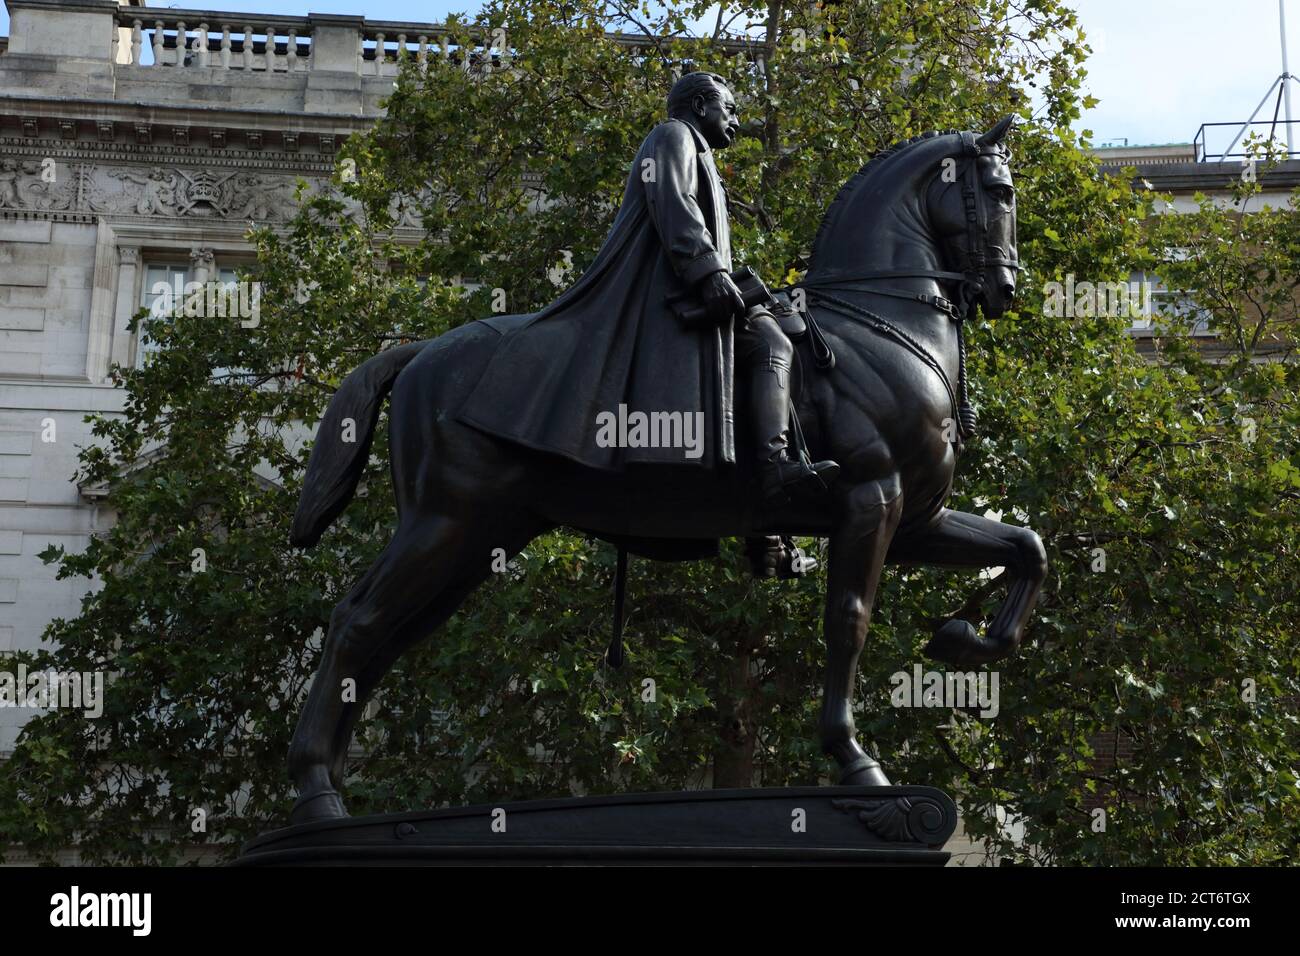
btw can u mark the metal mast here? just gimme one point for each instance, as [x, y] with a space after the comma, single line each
[1283, 86]
[1286, 73]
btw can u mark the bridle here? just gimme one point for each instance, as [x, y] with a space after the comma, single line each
[976, 259]
[975, 262]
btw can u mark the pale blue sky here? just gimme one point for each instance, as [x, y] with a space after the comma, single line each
[1161, 67]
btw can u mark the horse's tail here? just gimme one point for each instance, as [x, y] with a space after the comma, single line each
[343, 443]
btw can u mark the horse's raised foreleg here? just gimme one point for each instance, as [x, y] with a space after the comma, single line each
[869, 516]
[958, 539]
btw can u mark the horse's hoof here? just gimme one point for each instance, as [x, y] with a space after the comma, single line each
[322, 805]
[955, 642]
[863, 772]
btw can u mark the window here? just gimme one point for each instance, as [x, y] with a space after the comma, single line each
[1171, 306]
[227, 279]
[164, 286]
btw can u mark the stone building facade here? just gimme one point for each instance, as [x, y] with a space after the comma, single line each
[1177, 169]
[137, 145]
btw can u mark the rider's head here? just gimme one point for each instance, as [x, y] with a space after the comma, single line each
[705, 101]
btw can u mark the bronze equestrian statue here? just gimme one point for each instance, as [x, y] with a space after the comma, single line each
[493, 425]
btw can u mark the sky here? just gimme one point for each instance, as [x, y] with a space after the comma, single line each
[1160, 68]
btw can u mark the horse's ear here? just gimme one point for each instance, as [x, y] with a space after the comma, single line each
[994, 136]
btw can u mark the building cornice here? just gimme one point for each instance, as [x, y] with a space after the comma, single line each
[1206, 177]
[181, 115]
[65, 6]
[313, 164]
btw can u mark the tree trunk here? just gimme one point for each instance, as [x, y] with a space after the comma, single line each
[770, 176]
[733, 756]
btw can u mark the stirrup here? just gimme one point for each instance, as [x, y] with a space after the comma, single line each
[808, 480]
[777, 556]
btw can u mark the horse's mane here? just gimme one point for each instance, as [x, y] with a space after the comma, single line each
[878, 158]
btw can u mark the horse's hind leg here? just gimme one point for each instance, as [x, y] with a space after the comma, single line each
[958, 539]
[857, 554]
[420, 626]
[472, 567]
[390, 598]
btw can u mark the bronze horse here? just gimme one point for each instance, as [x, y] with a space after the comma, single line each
[918, 237]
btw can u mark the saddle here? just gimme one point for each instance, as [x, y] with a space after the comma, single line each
[798, 325]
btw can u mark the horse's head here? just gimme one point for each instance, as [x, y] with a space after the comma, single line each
[973, 213]
[940, 207]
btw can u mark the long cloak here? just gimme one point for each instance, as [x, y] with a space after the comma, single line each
[612, 338]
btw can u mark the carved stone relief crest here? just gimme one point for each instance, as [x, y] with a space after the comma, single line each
[167, 191]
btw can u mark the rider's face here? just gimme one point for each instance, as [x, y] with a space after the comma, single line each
[717, 118]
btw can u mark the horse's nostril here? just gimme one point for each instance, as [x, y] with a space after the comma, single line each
[1008, 290]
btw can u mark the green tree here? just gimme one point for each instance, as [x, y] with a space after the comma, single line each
[1084, 440]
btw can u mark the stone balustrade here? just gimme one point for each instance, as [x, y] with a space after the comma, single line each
[208, 39]
[158, 37]
[325, 70]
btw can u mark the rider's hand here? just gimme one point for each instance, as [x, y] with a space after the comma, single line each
[721, 297]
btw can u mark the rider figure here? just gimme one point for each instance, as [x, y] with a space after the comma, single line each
[763, 352]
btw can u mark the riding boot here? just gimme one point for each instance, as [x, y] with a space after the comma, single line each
[781, 478]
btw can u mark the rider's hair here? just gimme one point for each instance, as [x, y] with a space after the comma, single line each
[691, 85]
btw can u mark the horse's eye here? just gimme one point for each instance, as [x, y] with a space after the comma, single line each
[1004, 194]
